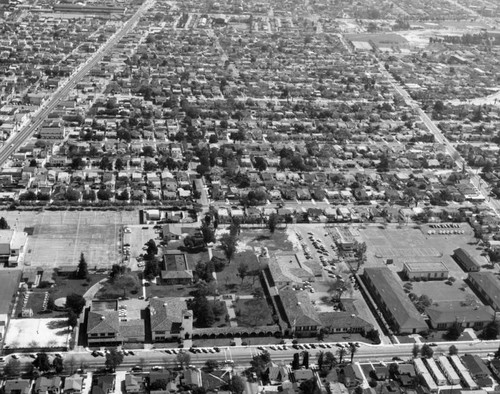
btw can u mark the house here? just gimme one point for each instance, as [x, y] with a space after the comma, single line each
[175, 269]
[192, 377]
[466, 261]
[134, 384]
[487, 286]
[103, 384]
[351, 375]
[388, 293]
[432, 270]
[73, 384]
[446, 314]
[476, 366]
[17, 386]
[45, 385]
[171, 232]
[170, 318]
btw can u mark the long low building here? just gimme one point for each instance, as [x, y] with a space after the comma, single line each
[434, 270]
[388, 293]
[488, 286]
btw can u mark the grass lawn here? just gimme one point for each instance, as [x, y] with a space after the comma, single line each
[170, 290]
[65, 286]
[127, 285]
[195, 258]
[229, 279]
[253, 312]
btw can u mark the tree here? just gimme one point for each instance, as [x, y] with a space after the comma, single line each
[426, 351]
[260, 163]
[272, 223]
[183, 358]
[119, 164]
[75, 302]
[42, 362]
[12, 368]
[72, 318]
[158, 384]
[207, 232]
[296, 361]
[211, 365]
[329, 360]
[341, 353]
[454, 332]
[152, 269]
[242, 271]
[305, 359]
[57, 364]
[152, 249]
[373, 335]
[490, 331]
[82, 271]
[352, 349]
[321, 360]
[228, 244]
[258, 293]
[113, 359]
[3, 224]
[203, 311]
[307, 386]
[453, 350]
[415, 351]
[236, 385]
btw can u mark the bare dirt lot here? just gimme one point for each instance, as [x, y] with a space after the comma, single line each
[60, 236]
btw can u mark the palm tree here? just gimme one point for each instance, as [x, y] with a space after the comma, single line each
[341, 353]
[353, 349]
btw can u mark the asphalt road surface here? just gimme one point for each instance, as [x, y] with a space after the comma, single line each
[241, 355]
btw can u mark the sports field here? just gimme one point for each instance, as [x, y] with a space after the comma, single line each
[58, 237]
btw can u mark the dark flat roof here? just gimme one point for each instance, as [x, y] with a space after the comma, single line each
[9, 283]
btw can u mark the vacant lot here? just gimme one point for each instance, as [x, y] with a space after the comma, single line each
[60, 236]
[253, 312]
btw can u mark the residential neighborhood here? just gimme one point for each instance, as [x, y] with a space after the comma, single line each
[249, 197]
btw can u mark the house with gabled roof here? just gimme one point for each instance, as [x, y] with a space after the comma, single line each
[17, 386]
[45, 385]
[73, 384]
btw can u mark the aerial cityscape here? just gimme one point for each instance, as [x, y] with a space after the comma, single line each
[218, 196]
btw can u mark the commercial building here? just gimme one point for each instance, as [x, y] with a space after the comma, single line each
[394, 304]
[53, 129]
[416, 270]
[9, 282]
[487, 286]
[446, 314]
[12, 244]
[466, 261]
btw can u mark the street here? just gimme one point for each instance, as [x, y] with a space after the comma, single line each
[241, 355]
